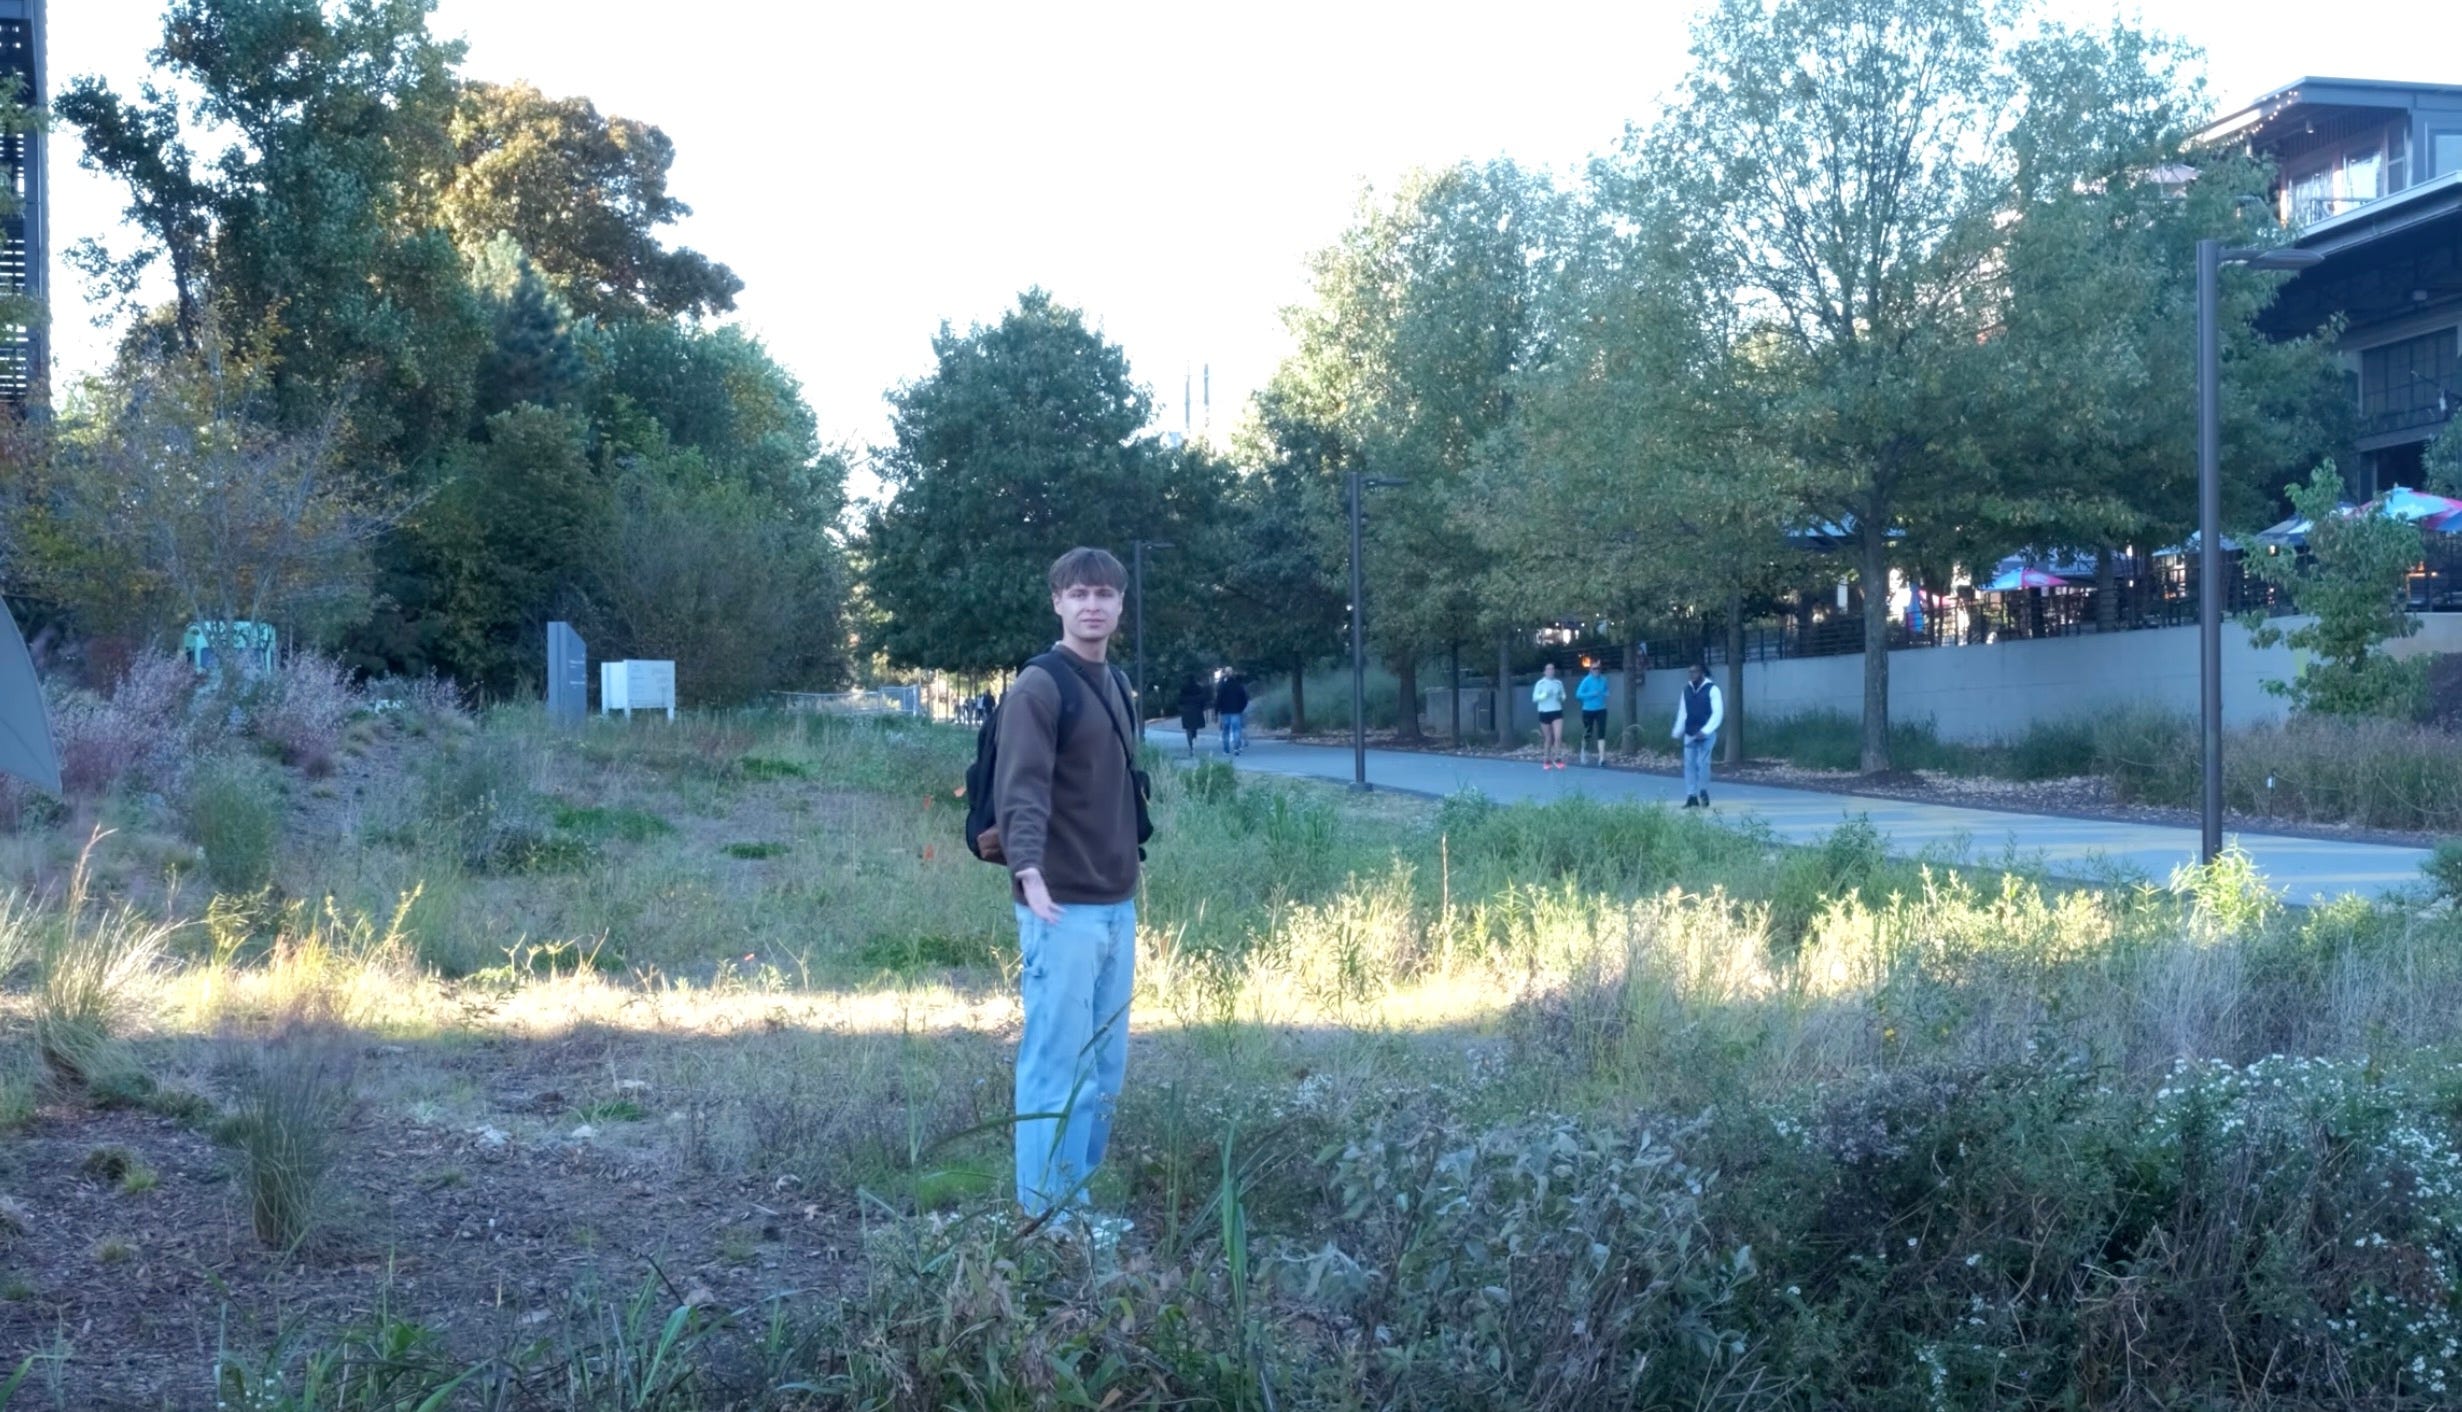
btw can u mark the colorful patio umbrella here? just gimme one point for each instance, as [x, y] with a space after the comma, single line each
[2450, 522]
[2404, 503]
[2012, 580]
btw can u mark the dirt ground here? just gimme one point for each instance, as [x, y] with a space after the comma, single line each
[482, 1230]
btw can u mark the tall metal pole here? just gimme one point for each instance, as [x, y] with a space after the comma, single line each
[1359, 660]
[1137, 549]
[2210, 546]
[1137, 588]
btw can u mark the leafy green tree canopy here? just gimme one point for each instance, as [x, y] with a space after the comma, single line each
[585, 195]
[1025, 440]
[2350, 583]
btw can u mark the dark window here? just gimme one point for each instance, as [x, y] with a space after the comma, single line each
[2402, 465]
[2405, 385]
[2445, 152]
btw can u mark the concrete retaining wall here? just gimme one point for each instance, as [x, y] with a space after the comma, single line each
[1984, 693]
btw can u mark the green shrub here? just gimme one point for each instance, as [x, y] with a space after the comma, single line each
[601, 824]
[92, 958]
[474, 802]
[1846, 862]
[2149, 755]
[2053, 750]
[765, 767]
[235, 815]
[2444, 869]
[1329, 701]
[298, 1086]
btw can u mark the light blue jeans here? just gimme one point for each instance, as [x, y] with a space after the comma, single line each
[1697, 764]
[1076, 981]
[1234, 731]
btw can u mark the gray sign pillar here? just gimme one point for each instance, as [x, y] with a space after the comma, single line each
[568, 675]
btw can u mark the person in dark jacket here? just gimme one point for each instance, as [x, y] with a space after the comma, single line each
[1193, 701]
[1231, 708]
[1068, 827]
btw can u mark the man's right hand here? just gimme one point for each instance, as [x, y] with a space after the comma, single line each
[1038, 897]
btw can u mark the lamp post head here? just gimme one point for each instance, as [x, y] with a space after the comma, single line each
[2282, 257]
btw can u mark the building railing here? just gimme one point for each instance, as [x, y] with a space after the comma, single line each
[2161, 593]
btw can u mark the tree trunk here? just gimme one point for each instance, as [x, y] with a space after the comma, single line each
[1299, 697]
[1456, 694]
[1875, 532]
[1406, 699]
[1504, 690]
[2106, 590]
[1732, 728]
[1634, 671]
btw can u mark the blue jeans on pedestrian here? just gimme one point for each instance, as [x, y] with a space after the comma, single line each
[1234, 732]
[1076, 980]
[1697, 763]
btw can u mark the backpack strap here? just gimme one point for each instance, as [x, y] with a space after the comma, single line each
[1072, 696]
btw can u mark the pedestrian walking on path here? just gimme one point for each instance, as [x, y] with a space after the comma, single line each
[1592, 692]
[1193, 701]
[1068, 812]
[1231, 708]
[1699, 710]
[1547, 693]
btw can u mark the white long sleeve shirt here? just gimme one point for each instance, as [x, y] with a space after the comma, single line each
[1718, 711]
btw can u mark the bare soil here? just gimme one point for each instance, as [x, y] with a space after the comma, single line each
[482, 1231]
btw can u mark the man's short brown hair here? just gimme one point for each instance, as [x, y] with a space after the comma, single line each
[1095, 568]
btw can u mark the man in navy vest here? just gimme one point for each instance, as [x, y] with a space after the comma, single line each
[1699, 709]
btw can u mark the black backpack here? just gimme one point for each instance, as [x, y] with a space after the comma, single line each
[981, 819]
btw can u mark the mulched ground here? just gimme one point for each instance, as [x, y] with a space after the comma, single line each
[480, 1231]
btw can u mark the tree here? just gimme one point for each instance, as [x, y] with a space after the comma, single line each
[703, 571]
[1025, 440]
[505, 544]
[532, 359]
[2098, 314]
[330, 118]
[1279, 607]
[2443, 460]
[1846, 165]
[1637, 419]
[1426, 311]
[584, 194]
[170, 499]
[2351, 583]
[717, 393]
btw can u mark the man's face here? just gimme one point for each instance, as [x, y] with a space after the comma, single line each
[1088, 612]
[1697, 676]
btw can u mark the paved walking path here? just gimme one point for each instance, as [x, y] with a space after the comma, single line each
[2305, 868]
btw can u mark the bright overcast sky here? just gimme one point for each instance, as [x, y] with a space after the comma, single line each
[871, 170]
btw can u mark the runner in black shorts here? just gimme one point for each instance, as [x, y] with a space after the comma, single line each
[1547, 694]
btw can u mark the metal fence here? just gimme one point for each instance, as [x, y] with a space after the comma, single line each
[2145, 593]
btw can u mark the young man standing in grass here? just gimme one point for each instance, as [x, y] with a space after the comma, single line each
[1068, 831]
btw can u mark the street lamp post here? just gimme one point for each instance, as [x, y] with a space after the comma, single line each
[1359, 655]
[1137, 588]
[2212, 255]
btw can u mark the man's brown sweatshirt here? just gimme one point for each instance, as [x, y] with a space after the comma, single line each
[1072, 816]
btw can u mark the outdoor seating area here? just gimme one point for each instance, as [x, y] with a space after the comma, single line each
[2031, 596]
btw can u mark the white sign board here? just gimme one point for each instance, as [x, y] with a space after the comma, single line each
[631, 686]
